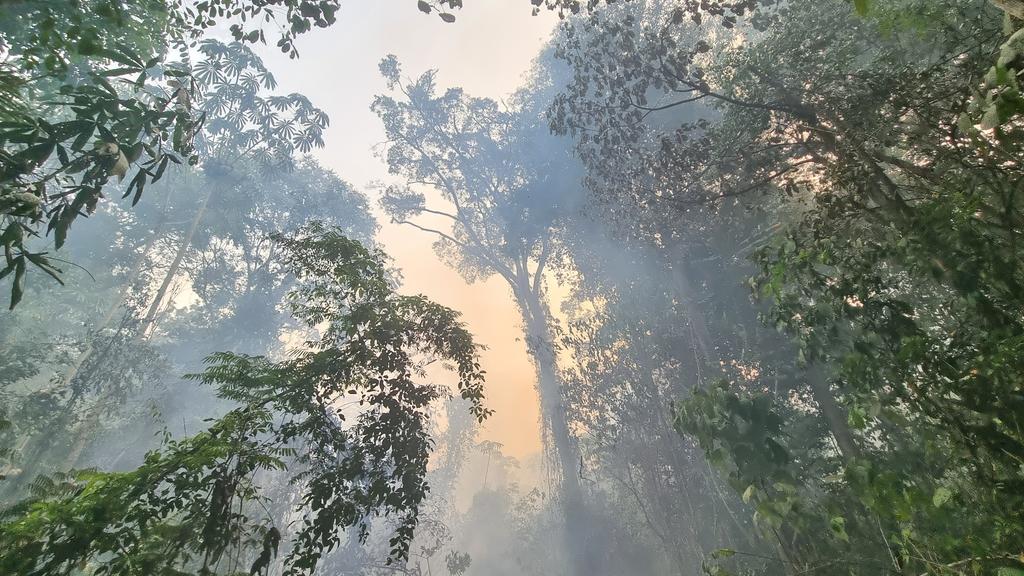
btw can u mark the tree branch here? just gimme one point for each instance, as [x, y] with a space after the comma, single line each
[436, 232]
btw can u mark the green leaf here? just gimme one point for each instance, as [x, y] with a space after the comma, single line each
[37, 154]
[862, 6]
[941, 496]
[89, 45]
[838, 526]
[123, 56]
[991, 118]
[748, 494]
[8, 269]
[64, 130]
[43, 264]
[723, 553]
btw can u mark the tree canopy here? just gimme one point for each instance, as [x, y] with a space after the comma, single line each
[762, 259]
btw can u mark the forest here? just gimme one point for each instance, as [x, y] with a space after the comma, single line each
[622, 287]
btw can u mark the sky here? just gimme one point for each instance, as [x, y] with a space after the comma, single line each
[487, 51]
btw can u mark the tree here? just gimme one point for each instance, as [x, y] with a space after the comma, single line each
[488, 166]
[243, 126]
[105, 91]
[212, 222]
[857, 138]
[194, 500]
[632, 353]
[232, 265]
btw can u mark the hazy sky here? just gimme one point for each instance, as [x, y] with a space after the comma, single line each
[486, 51]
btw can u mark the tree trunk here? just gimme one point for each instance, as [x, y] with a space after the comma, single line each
[553, 411]
[186, 243]
[834, 414]
[82, 435]
[84, 432]
[708, 360]
[76, 367]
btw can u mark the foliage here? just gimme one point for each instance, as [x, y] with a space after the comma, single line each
[193, 504]
[854, 163]
[442, 7]
[94, 93]
[105, 132]
[727, 10]
[891, 262]
[457, 145]
[98, 365]
[233, 265]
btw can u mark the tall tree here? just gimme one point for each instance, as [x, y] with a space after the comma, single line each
[495, 171]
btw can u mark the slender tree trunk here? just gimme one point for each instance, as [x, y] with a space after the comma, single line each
[82, 436]
[172, 272]
[834, 414]
[709, 361]
[76, 366]
[133, 276]
[85, 431]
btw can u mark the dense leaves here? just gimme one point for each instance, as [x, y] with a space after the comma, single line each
[107, 91]
[346, 415]
[883, 154]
